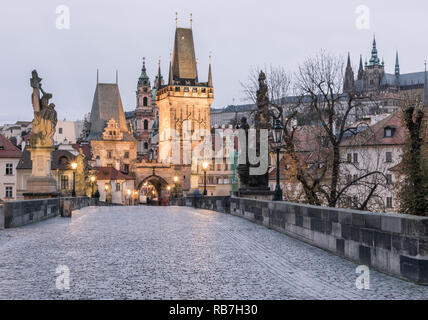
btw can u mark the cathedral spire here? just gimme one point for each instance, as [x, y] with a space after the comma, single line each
[348, 84]
[397, 65]
[374, 60]
[210, 77]
[360, 69]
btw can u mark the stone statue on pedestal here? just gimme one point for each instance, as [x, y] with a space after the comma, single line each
[41, 184]
[256, 185]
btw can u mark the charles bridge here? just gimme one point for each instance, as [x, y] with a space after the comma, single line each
[209, 248]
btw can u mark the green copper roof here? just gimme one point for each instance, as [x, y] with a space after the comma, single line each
[143, 80]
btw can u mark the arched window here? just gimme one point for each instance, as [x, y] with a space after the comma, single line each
[145, 101]
[146, 125]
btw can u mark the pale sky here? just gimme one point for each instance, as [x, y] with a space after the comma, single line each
[241, 34]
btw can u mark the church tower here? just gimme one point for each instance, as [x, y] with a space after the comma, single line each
[184, 101]
[144, 113]
[374, 72]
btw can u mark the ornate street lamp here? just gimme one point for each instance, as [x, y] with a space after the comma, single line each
[74, 167]
[278, 131]
[92, 183]
[205, 167]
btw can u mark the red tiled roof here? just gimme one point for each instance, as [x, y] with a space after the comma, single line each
[7, 149]
[86, 149]
[374, 135]
[110, 173]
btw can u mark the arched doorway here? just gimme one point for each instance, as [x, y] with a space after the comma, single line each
[154, 191]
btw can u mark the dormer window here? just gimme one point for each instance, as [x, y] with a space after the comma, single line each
[388, 132]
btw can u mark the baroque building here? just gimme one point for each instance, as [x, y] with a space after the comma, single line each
[145, 115]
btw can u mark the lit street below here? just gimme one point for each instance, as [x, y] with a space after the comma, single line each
[176, 253]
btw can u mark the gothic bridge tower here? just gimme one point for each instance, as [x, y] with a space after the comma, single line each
[183, 98]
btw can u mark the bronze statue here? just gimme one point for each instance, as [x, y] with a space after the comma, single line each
[45, 116]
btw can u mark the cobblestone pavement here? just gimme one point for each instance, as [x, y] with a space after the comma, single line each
[176, 253]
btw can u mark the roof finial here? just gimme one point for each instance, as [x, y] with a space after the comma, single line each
[191, 20]
[117, 76]
[176, 19]
[97, 76]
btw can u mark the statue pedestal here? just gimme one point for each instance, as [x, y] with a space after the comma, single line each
[41, 184]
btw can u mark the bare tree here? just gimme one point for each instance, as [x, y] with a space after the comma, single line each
[314, 151]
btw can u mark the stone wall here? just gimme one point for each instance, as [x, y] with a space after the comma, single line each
[20, 213]
[392, 243]
[220, 203]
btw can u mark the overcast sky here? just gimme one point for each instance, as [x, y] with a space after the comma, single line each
[112, 35]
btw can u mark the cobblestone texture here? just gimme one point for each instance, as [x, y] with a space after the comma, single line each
[176, 253]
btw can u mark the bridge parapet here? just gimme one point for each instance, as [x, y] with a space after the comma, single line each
[20, 213]
[396, 244]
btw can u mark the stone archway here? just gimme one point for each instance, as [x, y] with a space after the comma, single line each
[153, 189]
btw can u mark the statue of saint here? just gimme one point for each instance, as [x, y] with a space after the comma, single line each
[45, 116]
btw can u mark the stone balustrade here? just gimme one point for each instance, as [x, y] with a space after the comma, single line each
[395, 244]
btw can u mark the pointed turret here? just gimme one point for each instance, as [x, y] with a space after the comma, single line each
[426, 87]
[360, 69]
[397, 65]
[348, 85]
[143, 80]
[210, 77]
[170, 79]
[159, 78]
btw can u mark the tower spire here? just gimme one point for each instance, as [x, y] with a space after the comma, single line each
[159, 80]
[191, 20]
[374, 60]
[397, 65]
[170, 79]
[348, 84]
[210, 77]
[176, 20]
[97, 76]
[360, 69]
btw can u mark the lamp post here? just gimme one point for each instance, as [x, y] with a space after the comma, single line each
[74, 167]
[278, 131]
[205, 167]
[92, 184]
